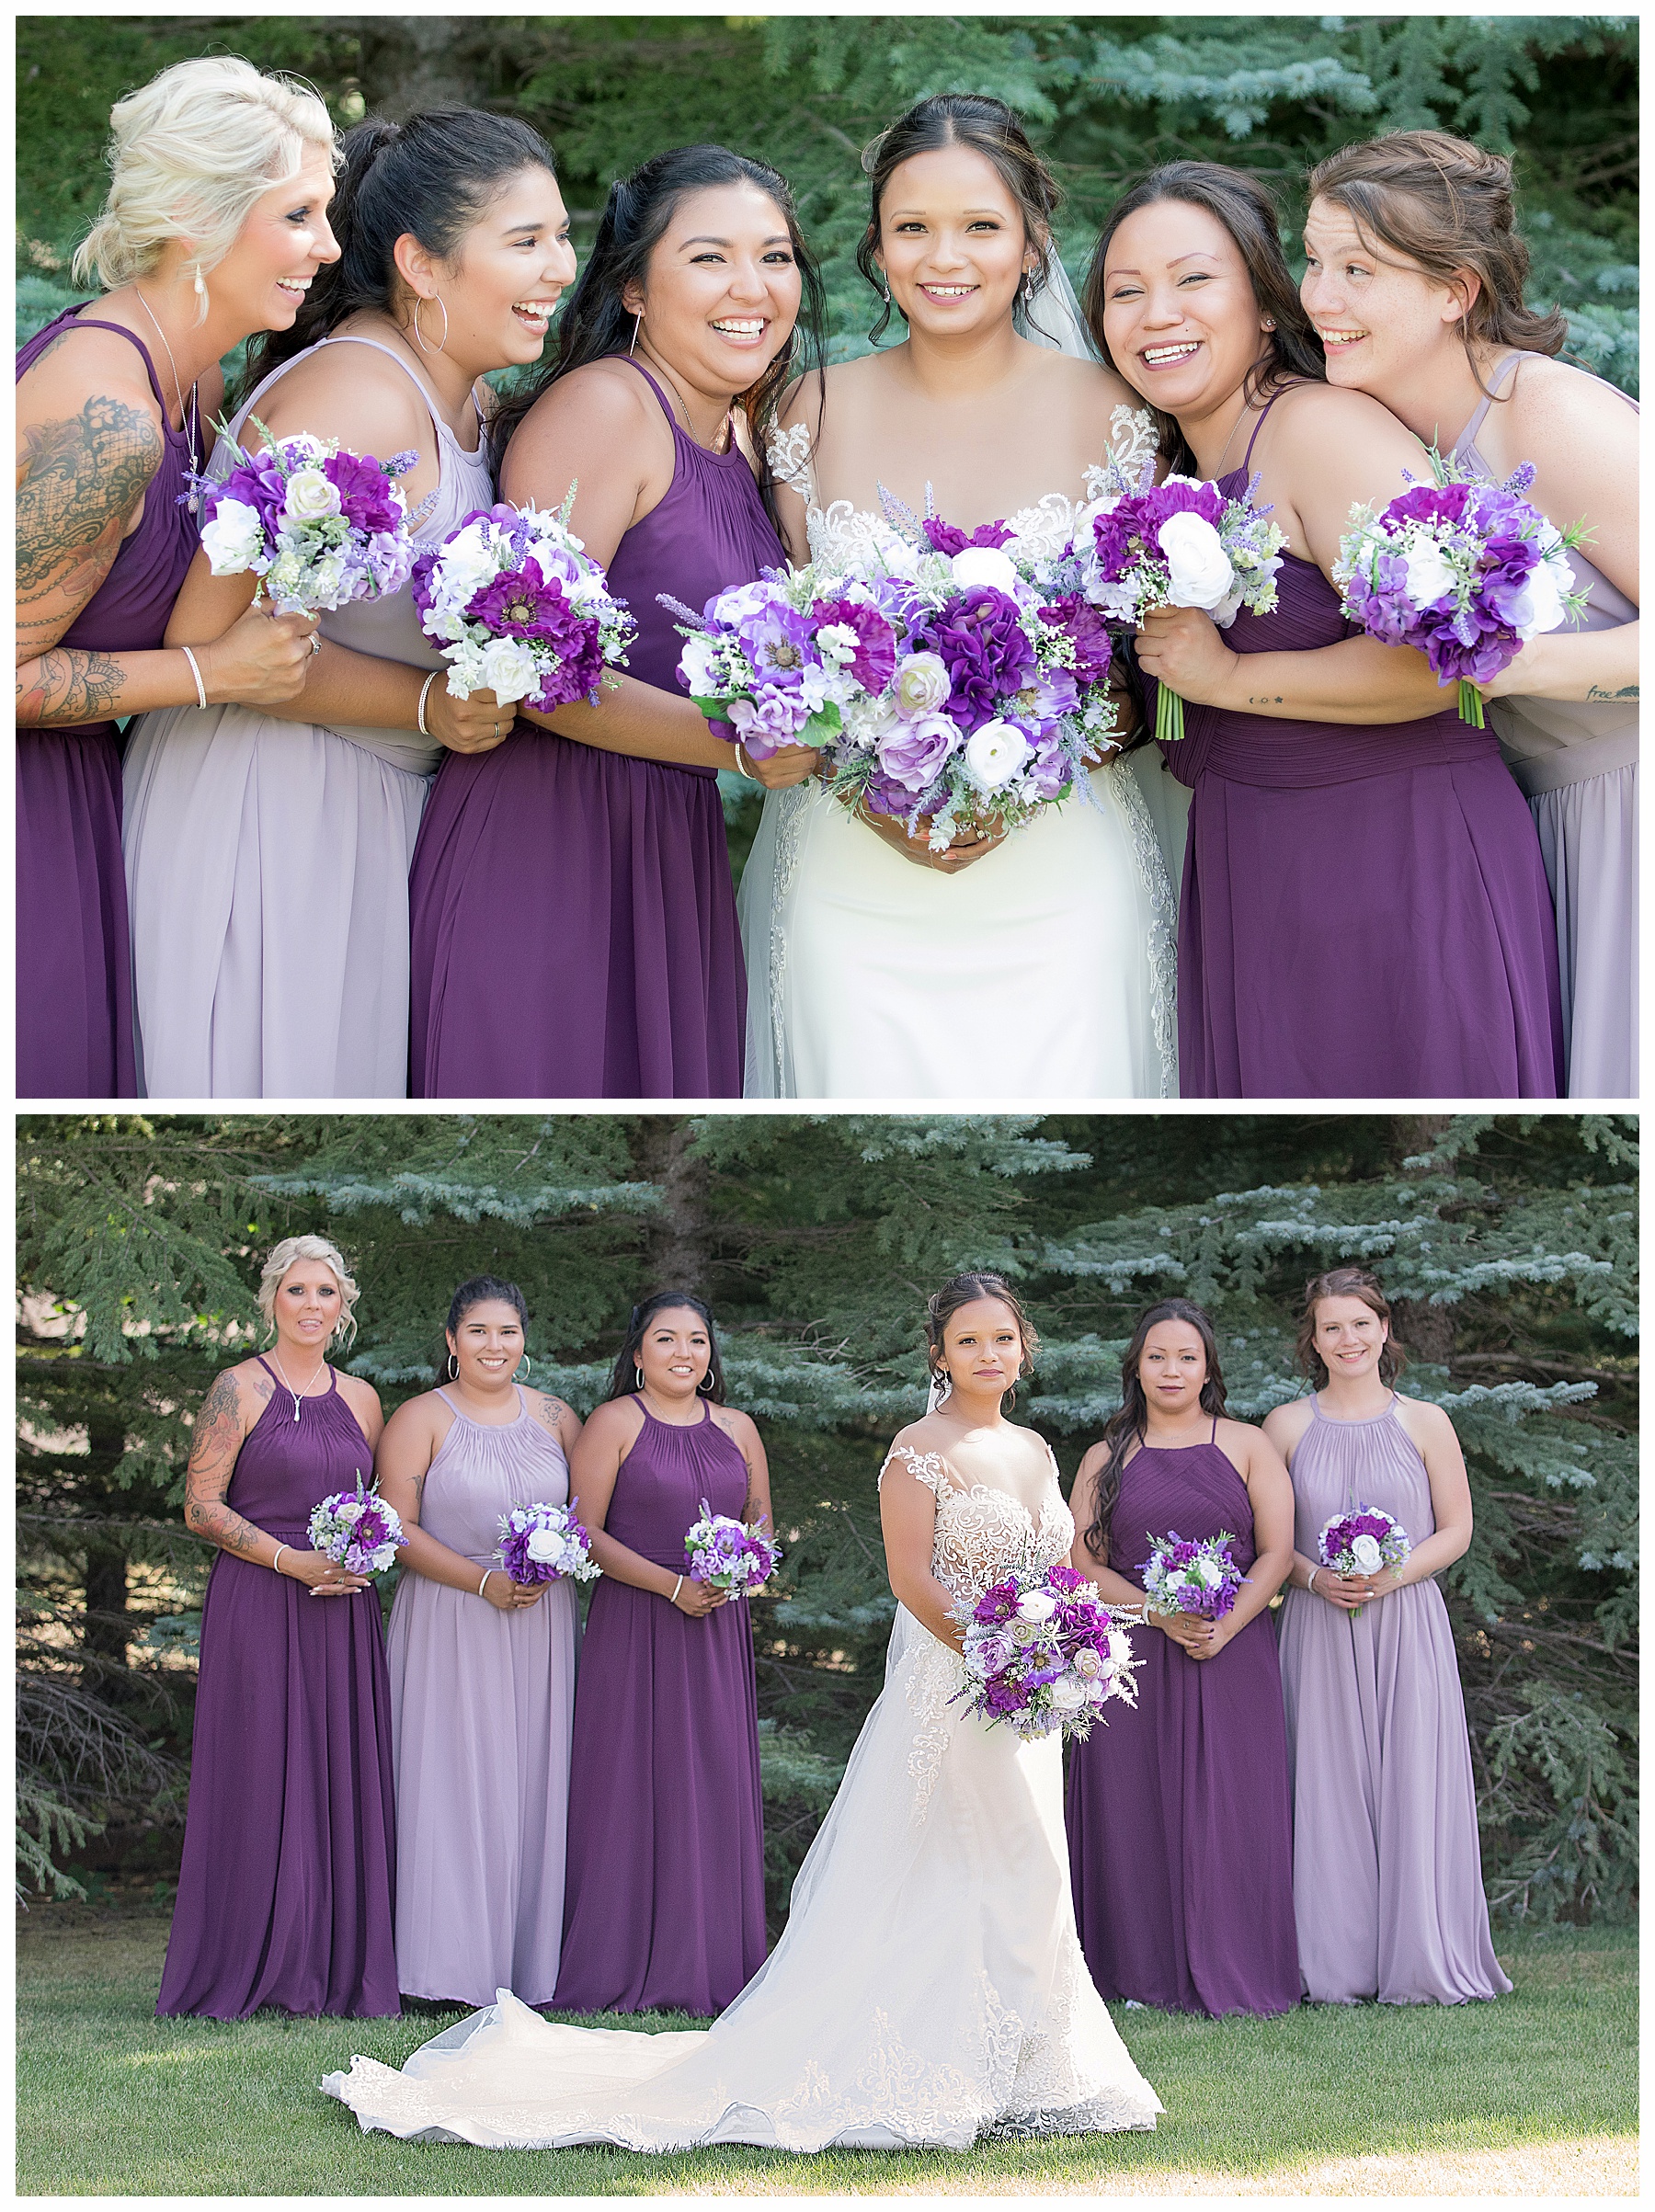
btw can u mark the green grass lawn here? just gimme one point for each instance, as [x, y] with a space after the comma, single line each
[113, 2102]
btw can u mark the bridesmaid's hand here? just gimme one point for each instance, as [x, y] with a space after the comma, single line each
[960, 854]
[788, 765]
[1218, 1637]
[697, 1599]
[1346, 1591]
[1187, 1630]
[326, 1578]
[507, 1596]
[1180, 647]
[468, 725]
[261, 660]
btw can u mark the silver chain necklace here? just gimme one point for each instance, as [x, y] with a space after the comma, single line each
[194, 441]
[294, 1394]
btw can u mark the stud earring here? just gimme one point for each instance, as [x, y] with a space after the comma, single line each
[1269, 323]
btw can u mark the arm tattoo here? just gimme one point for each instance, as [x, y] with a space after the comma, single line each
[1627, 692]
[61, 687]
[217, 1440]
[79, 482]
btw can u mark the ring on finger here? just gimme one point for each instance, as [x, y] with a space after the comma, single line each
[315, 643]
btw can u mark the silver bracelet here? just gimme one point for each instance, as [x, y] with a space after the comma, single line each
[276, 1562]
[424, 690]
[483, 1585]
[743, 763]
[676, 1588]
[196, 672]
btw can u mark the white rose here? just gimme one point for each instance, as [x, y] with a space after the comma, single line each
[544, 1543]
[233, 539]
[922, 683]
[508, 670]
[1429, 578]
[993, 756]
[984, 567]
[310, 497]
[1365, 1551]
[1038, 1605]
[353, 1511]
[1120, 1646]
[1207, 1572]
[1068, 1695]
[1198, 568]
[1541, 606]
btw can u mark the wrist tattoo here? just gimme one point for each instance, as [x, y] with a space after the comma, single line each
[69, 686]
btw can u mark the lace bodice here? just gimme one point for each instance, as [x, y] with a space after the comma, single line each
[981, 1532]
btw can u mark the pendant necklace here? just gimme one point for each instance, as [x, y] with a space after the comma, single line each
[294, 1394]
[195, 442]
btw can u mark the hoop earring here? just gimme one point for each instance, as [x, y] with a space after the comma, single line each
[419, 335]
[941, 1386]
[525, 1367]
[705, 1384]
[637, 320]
[637, 1378]
[453, 1368]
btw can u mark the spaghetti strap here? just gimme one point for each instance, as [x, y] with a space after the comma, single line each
[95, 323]
[652, 383]
[1479, 413]
[1264, 411]
[1214, 1437]
[352, 338]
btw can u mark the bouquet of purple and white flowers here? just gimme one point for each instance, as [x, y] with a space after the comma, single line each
[1043, 1651]
[357, 1530]
[546, 1544]
[1363, 1541]
[319, 525]
[726, 1554]
[520, 609]
[1181, 1574]
[1465, 571]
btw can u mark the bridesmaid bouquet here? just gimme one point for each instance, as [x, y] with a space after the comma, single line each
[357, 1530]
[320, 525]
[1181, 1576]
[1044, 1652]
[1363, 1541]
[726, 1554]
[520, 609]
[1463, 570]
[546, 1544]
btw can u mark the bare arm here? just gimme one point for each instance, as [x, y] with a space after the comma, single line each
[1432, 1435]
[594, 1468]
[743, 1432]
[231, 1407]
[1271, 1494]
[907, 1516]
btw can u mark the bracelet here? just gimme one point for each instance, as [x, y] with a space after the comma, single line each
[425, 690]
[483, 1585]
[743, 763]
[196, 671]
[276, 1562]
[1310, 1580]
[676, 1588]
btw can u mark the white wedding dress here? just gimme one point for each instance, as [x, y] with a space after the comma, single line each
[1052, 959]
[929, 1988]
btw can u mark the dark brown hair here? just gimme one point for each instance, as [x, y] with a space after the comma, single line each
[623, 1376]
[1249, 212]
[961, 119]
[1447, 205]
[1346, 1283]
[1126, 1426]
[961, 1290]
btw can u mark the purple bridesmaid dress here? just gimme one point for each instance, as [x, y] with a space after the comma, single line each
[607, 878]
[1364, 912]
[286, 1895]
[1180, 1848]
[74, 963]
[664, 1892]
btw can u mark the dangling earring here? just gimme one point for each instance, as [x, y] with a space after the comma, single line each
[525, 1367]
[453, 1368]
[706, 1383]
[637, 320]
[637, 1378]
[885, 293]
[942, 1384]
[200, 283]
[419, 335]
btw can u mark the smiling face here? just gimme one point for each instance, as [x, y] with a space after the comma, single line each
[952, 243]
[721, 293]
[307, 1310]
[488, 1344]
[1381, 319]
[500, 286]
[1350, 1336]
[1180, 316]
[1172, 1367]
[676, 1352]
[262, 280]
[982, 1346]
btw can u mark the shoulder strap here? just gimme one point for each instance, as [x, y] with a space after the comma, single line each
[72, 320]
[1264, 412]
[1214, 1437]
[1479, 413]
[654, 385]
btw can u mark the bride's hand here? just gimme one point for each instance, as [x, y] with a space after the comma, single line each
[782, 769]
[960, 853]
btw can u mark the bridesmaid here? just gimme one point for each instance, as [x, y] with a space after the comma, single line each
[1415, 284]
[453, 248]
[1386, 1875]
[286, 1892]
[664, 1908]
[1343, 820]
[109, 436]
[601, 850]
[1180, 1835]
[482, 1669]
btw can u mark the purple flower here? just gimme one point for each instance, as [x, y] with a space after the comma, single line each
[876, 656]
[1132, 528]
[364, 490]
[913, 754]
[1085, 626]
[776, 639]
[945, 538]
[1051, 769]
[981, 641]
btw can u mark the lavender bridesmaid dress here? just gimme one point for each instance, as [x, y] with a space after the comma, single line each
[285, 1895]
[1180, 1838]
[664, 1907]
[1364, 912]
[1386, 1875]
[608, 877]
[73, 965]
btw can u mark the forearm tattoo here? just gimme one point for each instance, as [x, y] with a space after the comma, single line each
[60, 686]
[212, 1454]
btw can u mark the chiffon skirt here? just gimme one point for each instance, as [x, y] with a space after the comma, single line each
[74, 1000]
[1588, 843]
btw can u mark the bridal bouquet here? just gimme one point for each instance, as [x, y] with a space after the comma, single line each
[953, 679]
[1044, 1652]
[520, 609]
[726, 1554]
[1183, 1576]
[1465, 571]
[546, 1544]
[319, 524]
[357, 1530]
[1363, 1541]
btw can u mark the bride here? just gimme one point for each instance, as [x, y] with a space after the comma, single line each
[929, 1988]
[869, 957]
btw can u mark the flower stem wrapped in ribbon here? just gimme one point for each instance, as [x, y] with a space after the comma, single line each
[319, 525]
[1363, 1541]
[727, 1554]
[1043, 1651]
[546, 1544]
[1463, 570]
[1182, 1575]
[357, 1530]
[518, 608]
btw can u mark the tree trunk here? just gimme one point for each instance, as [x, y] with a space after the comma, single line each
[678, 1253]
[414, 62]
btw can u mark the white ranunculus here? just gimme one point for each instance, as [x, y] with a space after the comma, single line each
[1036, 1605]
[1198, 568]
[984, 567]
[1429, 578]
[1541, 605]
[1365, 1551]
[310, 497]
[922, 683]
[1068, 1695]
[508, 670]
[1086, 1663]
[233, 539]
[994, 754]
[544, 1543]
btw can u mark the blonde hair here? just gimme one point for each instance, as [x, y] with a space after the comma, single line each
[276, 1266]
[190, 153]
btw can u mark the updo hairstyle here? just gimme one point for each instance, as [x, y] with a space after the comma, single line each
[962, 1290]
[486, 1289]
[1345, 1283]
[276, 1266]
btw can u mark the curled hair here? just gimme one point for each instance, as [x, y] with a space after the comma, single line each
[284, 1255]
[1346, 1283]
[1126, 1426]
[1445, 205]
[989, 128]
[485, 1290]
[962, 1290]
[432, 177]
[622, 1383]
[1248, 211]
[596, 322]
[188, 155]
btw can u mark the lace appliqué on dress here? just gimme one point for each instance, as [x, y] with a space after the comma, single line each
[1163, 948]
